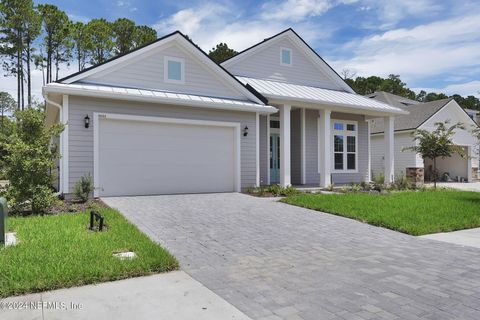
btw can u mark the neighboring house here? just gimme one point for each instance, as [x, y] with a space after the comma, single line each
[166, 119]
[424, 116]
[474, 114]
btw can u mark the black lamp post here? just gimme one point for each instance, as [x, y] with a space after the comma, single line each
[87, 121]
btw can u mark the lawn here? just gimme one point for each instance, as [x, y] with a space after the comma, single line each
[57, 251]
[412, 212]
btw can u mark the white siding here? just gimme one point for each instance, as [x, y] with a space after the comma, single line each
[265, 64]
[147, 72]
[453, 113]
[403, 159]
[81, 139]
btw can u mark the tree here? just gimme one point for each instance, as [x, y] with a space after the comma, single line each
[348, 74]
[143, 35]
[29, 161]
[80, 42]
[7, 104]
[100, 40]
[221, 53]
[124, 34]
[56, 28]
[18, 30]
[436, 144]
[32, 28]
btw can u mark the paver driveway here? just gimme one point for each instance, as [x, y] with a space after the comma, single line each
[276, 261]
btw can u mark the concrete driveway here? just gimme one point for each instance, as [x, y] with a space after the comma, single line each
[466, 186]
[275, 261]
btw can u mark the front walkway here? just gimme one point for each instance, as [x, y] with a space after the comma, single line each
[275, 261]
[173, 295]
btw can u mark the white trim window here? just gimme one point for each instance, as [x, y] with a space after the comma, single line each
[174, 70]
[285, 56]
[344, 146]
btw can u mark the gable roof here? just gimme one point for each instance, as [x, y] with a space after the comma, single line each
[188, 44]
[302, 44]
[418, 112]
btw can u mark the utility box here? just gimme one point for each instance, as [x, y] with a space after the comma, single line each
[3, 220]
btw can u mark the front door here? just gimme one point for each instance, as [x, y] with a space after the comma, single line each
[274, 158]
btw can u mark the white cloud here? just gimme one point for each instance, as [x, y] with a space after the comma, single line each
[295, 10]
[390, 12]
[449, 46]
[211, 23]
[471, 88]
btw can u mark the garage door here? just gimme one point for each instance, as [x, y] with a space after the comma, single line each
[165, 156]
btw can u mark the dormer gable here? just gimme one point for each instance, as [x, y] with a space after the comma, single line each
[286, 57]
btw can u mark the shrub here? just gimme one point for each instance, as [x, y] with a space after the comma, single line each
[275, 189]
[331, 187]
[84, 188]
[289, 191]
[29, 160]
[401, 182]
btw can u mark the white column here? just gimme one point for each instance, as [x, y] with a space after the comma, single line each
[285, 145]
[268, 149]
[369, 163]
[469, 163]
[389, 149]
[257, 149]
[302, 147]
[324, 150]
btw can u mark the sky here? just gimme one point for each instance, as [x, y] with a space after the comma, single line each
[432, 44]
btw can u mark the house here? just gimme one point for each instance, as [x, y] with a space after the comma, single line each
[474, 114]
[424, 116]
[166, 119]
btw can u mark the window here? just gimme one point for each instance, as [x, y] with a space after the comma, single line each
[285, 56]
[174, 70]
[344, 146]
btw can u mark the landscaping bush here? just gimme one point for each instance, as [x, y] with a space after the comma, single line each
[83, 188]
[29, 160]
[401, 182]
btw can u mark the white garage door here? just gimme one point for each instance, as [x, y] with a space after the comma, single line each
[152, 157]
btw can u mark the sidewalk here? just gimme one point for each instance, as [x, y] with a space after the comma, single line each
[173, 295]
[469, 237]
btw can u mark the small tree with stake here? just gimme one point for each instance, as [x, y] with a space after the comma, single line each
[437, 144]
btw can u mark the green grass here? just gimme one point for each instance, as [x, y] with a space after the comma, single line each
[59, 251]
[415, 213]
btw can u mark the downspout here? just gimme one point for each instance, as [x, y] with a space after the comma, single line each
[60, 117]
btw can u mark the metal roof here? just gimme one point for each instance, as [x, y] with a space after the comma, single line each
[301, 93]
[123, 93]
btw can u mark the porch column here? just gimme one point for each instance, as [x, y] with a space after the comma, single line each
[285, 145]
[389, 149]
[369, 163]
[324, 150]
[469, 164]
[302, 147]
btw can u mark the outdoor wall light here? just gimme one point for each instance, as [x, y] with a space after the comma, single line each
[87, 121]
[245, 131]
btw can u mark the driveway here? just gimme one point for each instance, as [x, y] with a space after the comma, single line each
[465, 186]
[275, 261]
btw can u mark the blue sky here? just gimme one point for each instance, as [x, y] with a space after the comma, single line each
[432, 44]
